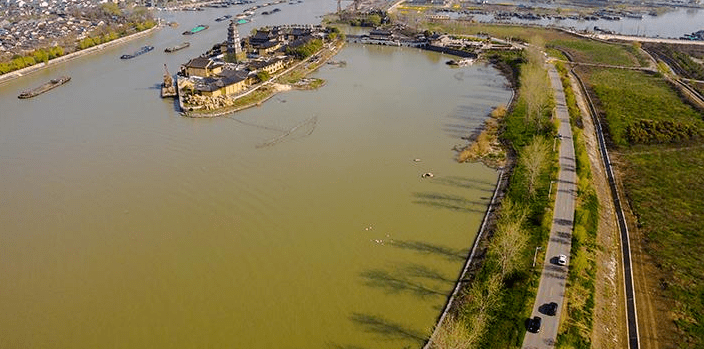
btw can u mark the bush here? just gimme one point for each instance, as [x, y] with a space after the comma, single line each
[306, 50]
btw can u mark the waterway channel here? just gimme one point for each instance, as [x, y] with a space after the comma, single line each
[126, 225]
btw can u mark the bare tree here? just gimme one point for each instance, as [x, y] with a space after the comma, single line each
[455, 334]
[534, 159]
[535, 85]
[509, 241]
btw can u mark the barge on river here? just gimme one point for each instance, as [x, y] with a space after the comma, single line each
[177, 47]
[197, 29]
[141, 51]
[220, 19]
[52, 84]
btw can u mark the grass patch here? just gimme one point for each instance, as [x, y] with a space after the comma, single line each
[642, 109]
[662, 186]
[590, 51]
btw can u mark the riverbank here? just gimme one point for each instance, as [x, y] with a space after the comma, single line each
[477, 254]
[97, 48]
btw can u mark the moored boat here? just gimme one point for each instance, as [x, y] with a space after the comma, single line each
[53, 83]
[177, 47]
[197, 29]
[141, 51]
[220, 19]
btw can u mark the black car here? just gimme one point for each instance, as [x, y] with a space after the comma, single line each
[551, 308]
[534, 324]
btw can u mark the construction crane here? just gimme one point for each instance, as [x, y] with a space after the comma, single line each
[168, 80]
[167, 87]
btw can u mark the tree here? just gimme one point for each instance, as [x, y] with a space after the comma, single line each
[509, 241]
[535, 87]
[534, 159]
[373, 20]
[263, 76]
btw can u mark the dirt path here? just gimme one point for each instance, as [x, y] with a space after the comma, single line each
[609, 331]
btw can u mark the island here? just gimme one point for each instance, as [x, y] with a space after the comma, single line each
[240, 73]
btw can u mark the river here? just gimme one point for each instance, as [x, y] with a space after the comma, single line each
[126, 225]
[673, 24]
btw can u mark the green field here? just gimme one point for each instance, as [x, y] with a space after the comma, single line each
[664, 188]
[642, 109]
[588, 51]
[659, 137]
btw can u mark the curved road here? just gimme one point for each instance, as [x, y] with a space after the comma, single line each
[554, 278]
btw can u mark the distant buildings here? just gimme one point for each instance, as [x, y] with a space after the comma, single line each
[26, 25]
[235, 65]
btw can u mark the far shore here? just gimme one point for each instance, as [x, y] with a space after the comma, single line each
[73, 55]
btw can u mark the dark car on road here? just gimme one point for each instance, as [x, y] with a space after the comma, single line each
[551, 309]
[534, 324]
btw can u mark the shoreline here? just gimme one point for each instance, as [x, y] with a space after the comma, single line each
[475, 257]
[73, 55]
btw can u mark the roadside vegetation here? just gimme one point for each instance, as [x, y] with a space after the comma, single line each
[578, 322]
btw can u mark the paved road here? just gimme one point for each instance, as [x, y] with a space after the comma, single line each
[554, 277]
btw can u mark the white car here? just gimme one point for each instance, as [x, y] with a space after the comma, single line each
[561, 259]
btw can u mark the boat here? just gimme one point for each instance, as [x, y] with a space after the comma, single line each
[242, 21]
[177, 47]
[220, 19]
[141, 51]
[197, 29]
[53, 83]
[461, 63]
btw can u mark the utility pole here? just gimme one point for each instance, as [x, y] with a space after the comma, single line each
[536, 254]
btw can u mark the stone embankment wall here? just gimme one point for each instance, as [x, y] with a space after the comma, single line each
[97, 48]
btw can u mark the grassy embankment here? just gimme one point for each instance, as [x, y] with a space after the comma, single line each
[492, 308]
[660, 143]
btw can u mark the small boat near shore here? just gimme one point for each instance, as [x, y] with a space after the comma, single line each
[220, 19]
[177, 47]
[139, 52]
[460, 63]
[52, 84]
[197, 29]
